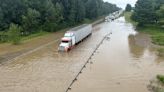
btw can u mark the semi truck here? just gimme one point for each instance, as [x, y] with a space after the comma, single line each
[74, 36]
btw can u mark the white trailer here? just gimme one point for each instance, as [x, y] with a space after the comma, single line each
[74, 36]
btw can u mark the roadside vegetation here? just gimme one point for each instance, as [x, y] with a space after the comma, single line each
[149, 14]
[156, 32]
[29, 17]
[148, 17]
[128, 18]
[157, 85]
[14, 34]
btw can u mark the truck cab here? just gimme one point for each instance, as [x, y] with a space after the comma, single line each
[67, 42]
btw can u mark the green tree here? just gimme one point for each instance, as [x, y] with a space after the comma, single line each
[128, 7]
[1, 18]
[12, 10]
[59, 13]
[66, 9]
[30, 21]
[100, 4]
[158, 3]
[14, 34]
[80, 11]
[50, 15]
[160, 12]
[144, 12]
[72, 12]
[53, 16]
[1, 14]
[91, 9]
[109, 8]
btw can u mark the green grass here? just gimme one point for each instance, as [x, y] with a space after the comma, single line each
[157, 36]
[161, 52]
[156, 31]
[3, 37]
[158, 39]
[34, 35]
[3, 33]
[25, 38]
[160, 78]
[128, 18]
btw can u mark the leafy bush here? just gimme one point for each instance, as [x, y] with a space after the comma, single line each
[3, 37]
[160, 78]
[14, 34]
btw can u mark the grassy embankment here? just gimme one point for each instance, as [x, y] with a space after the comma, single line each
[128, 18]
[157, 35]
[156, 32]
[44, 33]
[25, 38]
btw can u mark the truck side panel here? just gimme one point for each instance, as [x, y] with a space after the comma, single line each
[82, 33]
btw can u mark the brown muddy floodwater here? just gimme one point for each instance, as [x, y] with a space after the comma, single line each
[44, 69]
[125, 63]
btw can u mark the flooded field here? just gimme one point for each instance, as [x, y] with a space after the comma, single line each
[124, 63]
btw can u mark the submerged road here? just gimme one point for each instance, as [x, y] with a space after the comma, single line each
[44, 69]
[124, 62]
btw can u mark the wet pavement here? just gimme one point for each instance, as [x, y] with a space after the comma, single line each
[123, 63]
[8, 52]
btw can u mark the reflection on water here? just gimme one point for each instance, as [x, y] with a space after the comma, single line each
[141, 47]
[136, 50]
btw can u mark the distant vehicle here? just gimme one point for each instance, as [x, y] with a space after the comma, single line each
[107, 19]
[74, 36]
[113, 16]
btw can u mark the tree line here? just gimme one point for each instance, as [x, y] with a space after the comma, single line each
[49, 15]
[128, 8]
[149, 12]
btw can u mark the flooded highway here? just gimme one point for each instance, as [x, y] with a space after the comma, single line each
[123, 63]
[45, 69]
